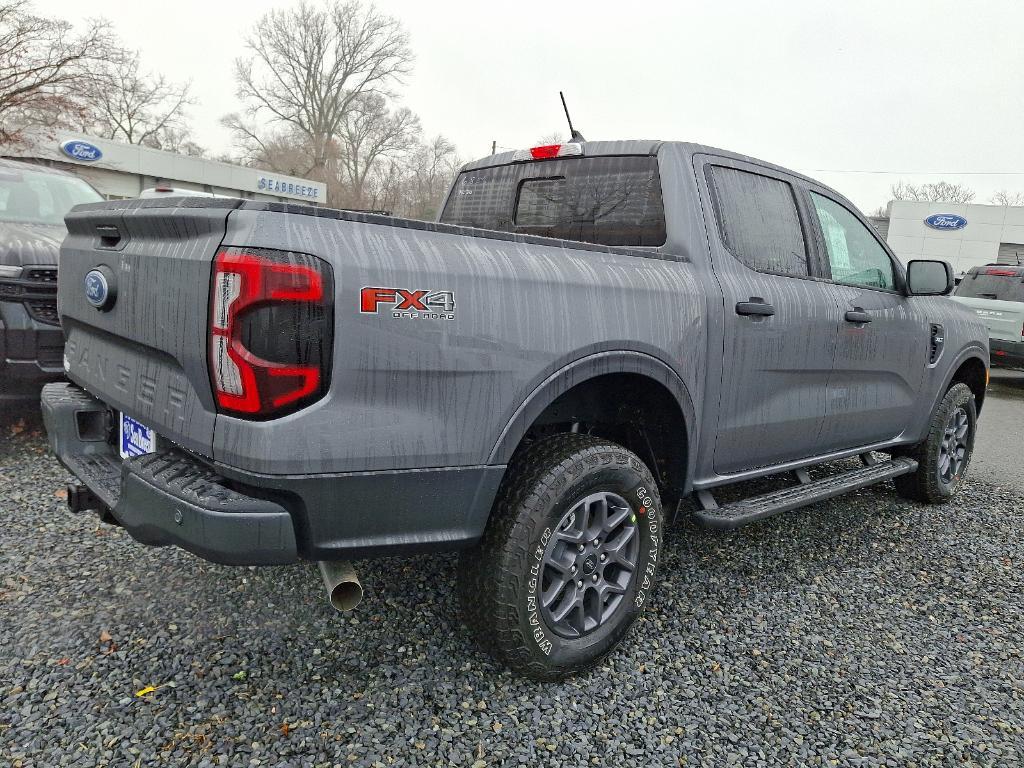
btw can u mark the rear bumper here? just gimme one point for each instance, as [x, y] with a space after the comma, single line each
[1007, 354]
[231, 516]
[167, 497]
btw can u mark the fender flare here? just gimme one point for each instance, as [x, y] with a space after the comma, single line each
[965, 354]
[584, 369]
[918, 427]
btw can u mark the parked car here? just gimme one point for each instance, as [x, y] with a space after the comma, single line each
[33, 201]
[590, 333]
[995, 293]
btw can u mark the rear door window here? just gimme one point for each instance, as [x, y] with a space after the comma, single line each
[613, 200]
[999, 283]
[758, 220]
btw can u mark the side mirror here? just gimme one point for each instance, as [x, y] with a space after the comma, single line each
[929, 278]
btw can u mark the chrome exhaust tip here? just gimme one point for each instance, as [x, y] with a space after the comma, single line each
[343, 588]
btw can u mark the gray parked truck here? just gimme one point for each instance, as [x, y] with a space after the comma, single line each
[589, 335]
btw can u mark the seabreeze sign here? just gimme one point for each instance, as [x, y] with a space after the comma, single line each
[946, 221]
[81, 150]
[273, 186]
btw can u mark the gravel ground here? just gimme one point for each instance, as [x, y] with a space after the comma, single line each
[864, 631]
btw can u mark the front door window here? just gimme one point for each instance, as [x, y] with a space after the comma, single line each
[855, 256]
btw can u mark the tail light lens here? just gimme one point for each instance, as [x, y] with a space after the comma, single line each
[271, 324]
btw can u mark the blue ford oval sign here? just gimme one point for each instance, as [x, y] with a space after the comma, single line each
[81, 150]
[97, 289]
[946, 221]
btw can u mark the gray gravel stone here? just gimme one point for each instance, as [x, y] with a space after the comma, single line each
[864, 631]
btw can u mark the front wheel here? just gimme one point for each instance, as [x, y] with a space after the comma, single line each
[943, 457]
[568, 559]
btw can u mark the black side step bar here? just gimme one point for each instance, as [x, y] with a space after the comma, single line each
[759, 507]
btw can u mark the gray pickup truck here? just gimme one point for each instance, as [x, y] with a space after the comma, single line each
[591, 334]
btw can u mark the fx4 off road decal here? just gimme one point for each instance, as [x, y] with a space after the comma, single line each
[406, 303]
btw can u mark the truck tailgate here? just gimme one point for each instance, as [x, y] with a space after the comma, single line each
[145, 353]
[1004, 319]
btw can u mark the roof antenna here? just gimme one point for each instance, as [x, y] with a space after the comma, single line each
[573, 133]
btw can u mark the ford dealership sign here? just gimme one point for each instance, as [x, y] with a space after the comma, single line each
[946, 221]
[81, 150]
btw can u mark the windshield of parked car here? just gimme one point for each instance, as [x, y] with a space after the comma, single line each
[612, 200]
[37, 197]
[1000, 283]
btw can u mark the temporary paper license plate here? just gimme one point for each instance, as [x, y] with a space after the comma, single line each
[136, 439]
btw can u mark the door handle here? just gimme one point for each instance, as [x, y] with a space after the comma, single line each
[857, 315]
[756, 306]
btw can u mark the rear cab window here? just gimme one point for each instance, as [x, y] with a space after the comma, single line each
[758, 221]
[607, 200]
[993, 282]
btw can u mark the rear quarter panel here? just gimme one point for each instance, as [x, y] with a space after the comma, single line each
[414, 393]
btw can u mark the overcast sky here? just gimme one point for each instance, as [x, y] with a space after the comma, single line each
[923, 90]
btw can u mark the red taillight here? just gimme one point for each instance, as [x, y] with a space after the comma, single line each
[1002, 272]
[270, 330]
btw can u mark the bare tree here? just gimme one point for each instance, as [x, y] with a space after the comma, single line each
[130, 105]
[370, 133]
[551, 138]
[431, 172]
[937, 192]
[43, 65]
[1004, 197]
[285, 151]
[309, 64]
[415, 184]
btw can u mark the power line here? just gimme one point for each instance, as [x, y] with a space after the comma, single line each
[920, 173]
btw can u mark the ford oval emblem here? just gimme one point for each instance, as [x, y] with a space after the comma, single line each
[100, 290]
[946, 221]
[81, 150]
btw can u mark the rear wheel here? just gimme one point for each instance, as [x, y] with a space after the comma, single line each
[943, 457]
[568, 559]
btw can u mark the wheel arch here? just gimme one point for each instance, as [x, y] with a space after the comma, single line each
[653, 384]
[972, 370]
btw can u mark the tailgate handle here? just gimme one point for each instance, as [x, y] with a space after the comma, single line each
[109, 236]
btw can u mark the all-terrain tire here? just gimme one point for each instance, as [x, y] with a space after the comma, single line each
[501, 581]
[927, 483]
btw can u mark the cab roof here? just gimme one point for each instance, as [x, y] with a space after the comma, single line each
[644, 147]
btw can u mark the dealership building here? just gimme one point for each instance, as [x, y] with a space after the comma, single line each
[965, 235]
[118, 170]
